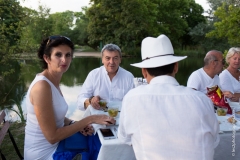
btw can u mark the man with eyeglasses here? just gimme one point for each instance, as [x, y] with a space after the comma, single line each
[208, 75]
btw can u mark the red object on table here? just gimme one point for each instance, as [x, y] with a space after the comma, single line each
[217, 97]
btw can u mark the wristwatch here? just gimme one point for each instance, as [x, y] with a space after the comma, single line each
[90, 99]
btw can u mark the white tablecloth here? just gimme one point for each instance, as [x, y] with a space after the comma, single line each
[229, 142]
[224, 150]
[113, 149]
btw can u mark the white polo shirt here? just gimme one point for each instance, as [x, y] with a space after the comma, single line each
[200, 80]
[163, 120]
[98, 83]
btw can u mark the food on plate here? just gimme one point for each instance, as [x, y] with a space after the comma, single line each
[231, 120]
[222, 111]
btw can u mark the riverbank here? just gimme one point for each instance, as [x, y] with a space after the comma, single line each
[87, 54]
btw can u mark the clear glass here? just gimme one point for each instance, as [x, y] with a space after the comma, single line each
[103, 104]
[113, 111]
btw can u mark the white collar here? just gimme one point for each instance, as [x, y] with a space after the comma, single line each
[164, 79]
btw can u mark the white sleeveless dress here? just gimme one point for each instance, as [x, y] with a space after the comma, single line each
[36, 146]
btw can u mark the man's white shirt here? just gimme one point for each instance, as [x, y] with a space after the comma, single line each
[98, 83]
[163, 120]
[200, 80]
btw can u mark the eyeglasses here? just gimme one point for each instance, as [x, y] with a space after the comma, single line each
[223, 61]
[56, 37]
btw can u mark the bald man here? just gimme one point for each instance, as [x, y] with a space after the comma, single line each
[208, 75]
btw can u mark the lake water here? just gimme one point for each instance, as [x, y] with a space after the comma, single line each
[72, 80]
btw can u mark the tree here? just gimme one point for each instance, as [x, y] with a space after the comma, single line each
[62, 22]
[79, 33]
[198, 34]
[122, 22]
[170, 19]
[193, 16]
[228, 25]
[11, 15]
[126, 23]
[38, 26]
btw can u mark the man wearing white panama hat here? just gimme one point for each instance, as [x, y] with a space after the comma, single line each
[163, 120]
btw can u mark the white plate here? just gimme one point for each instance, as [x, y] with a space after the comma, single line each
[226, 126]
[234, 105]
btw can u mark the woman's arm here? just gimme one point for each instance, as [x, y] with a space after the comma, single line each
[41, 98]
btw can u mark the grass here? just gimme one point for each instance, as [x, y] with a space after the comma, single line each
[18, 132]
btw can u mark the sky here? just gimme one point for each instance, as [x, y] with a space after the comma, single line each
[74, 5]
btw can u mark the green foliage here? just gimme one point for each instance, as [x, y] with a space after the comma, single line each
[190, 53]
[17, 101]
[62, 23]
[38, 26]
[229, 24]
[193, 16]
[11, 15]
[126, 23]
[11, 24]
[207, 43]
[79, 33]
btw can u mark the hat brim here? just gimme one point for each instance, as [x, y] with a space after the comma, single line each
[158, 61]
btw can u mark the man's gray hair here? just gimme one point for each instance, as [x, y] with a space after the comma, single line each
[111, 47]
[209, 59]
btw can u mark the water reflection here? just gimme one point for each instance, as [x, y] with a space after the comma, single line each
[72, 80]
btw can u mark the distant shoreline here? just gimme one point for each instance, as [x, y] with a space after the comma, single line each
[87, 54]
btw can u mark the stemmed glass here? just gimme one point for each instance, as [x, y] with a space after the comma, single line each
[103, 104]
[113, 111]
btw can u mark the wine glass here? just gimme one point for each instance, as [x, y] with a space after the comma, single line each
[113, 111]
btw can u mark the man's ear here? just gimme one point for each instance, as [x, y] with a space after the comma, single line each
[175, 69]
[144, 73]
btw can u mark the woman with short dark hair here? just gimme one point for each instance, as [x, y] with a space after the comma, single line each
[46, 106]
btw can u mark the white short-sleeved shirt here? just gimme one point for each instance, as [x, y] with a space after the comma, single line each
[36, 145]
[163, 120]
[200, 80]
[228, 82]
[98, 83]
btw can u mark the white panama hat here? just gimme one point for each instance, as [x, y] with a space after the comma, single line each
[157, 52]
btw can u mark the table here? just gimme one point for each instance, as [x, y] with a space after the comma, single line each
[224, 149]
[111, 148]
[114, 149]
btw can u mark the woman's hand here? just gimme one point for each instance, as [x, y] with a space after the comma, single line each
[103, 119]
[234, 99]
[87, 130]
[228, 94]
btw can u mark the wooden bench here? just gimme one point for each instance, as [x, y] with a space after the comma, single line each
[4, 129]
